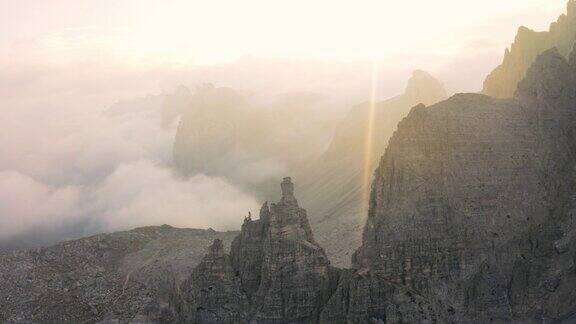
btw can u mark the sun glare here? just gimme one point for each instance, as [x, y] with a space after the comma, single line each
[199, 32]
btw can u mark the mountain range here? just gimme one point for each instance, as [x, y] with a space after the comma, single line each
[470, 217]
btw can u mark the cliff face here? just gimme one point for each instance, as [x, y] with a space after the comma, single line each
[284, 274]
[212, 293]
[472, 209]
[528, 44]
[332, 186]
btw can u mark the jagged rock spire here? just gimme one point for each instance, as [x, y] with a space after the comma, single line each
[217, 248]
[275, 258]
[287, 190]
[265, 213]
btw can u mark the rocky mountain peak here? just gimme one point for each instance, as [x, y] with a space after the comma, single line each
[287, 220]
[528, 44]
[282, 271]
[424, 88]
[287, 190]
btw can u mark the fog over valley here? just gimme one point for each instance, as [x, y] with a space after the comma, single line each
[86, 141]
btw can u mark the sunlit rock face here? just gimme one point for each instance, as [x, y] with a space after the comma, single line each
[332, 186]
[528, 44]
[283, 272]
[472, 210]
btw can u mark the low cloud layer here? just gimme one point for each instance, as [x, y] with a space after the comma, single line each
[71, 164]
[26, 203]
[79, 155]
[143, 193]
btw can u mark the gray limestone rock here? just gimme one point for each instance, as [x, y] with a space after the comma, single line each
[284, 273]
[470, 199]
[212, 294]
[120, 277]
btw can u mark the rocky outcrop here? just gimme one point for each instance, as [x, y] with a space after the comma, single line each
[528, 44]
[471, 210]
[213, 294]
[296, 274]
[120, 277]
[333, 186]
[284, 273]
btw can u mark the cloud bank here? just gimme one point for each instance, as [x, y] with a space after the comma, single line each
[71, 165]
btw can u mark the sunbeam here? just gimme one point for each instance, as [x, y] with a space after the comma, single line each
[368, 139]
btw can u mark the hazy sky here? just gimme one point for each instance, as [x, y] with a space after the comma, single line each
[199, 32]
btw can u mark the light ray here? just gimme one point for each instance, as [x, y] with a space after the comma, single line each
[368, 140]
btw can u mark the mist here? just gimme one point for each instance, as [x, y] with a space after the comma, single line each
[84, 142]
[86, 148]
[70, 164]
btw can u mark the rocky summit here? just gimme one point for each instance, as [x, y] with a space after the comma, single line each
[528, 44]
[275, 273]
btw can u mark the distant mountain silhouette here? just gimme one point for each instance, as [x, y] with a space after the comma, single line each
[528, 44]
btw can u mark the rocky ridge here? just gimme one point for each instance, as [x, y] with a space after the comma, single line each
[528, 44]
[120, 277]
